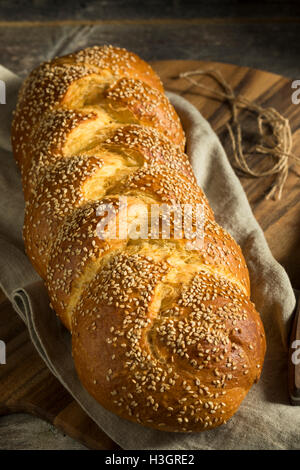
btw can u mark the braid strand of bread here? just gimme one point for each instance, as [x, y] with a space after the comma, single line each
[162, 335]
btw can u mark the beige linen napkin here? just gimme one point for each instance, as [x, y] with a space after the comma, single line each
[265, 420]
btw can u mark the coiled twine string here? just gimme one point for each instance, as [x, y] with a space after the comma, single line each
[276, 144]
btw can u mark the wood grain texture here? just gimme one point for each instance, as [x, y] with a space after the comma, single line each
[279, 220]
[20, 10]
[25, 382]
[272, 46]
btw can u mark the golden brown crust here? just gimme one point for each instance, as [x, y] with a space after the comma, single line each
[56, 196]
[149, 106]
[151, 145]
[163, 332]
[118, 62]
[185, 367]
[47, 144]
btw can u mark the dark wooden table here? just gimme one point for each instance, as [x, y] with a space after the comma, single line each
[263, 35]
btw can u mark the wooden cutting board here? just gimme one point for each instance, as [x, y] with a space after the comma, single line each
[26, 385]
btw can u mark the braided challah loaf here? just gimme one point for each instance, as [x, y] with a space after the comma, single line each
[162, 334]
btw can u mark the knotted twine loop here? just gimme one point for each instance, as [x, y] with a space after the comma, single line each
[277, 144]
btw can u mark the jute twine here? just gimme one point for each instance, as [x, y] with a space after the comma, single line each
[274, 132]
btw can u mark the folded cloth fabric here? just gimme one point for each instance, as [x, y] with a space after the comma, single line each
[265, 420]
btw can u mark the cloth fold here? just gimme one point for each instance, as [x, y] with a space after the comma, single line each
[265, 419]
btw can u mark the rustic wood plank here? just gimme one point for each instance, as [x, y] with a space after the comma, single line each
[72, 419]
[119, 9]
[271, 46]
[280, 220]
